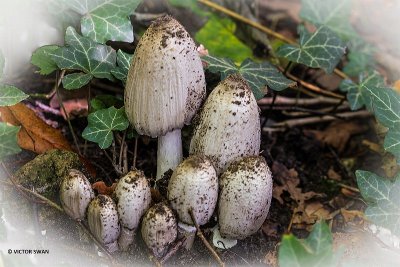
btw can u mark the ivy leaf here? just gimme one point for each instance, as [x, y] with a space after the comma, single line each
[42, 59]
[355, 94]
[124, 62]
[76, 80]
[258, 75]
[8, 140]
[358, 62]
[383, 198]
[392, 143]
[105, 101]
[2, 64]
[82, 53]
[10, 95]
[105, 20]
[102, 123]
[217, 35]
[316, 250]
[334, 14]
[321, 49]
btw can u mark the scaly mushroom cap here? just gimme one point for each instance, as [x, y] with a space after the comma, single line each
[194, 184]
[245, 197]
[159, 228]
[133, 198]
[103, 221]
[229, 124]
[165, 84]
[75, 194]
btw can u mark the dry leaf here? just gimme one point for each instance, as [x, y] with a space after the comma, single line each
[334, 175]
[103, 189]
[271, 259]
[337, 134]
[35, 135]
[373, 146]
[350, 215]
[396, 86]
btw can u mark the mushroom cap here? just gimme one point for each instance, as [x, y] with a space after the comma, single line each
[165, 84]
[133, 198]
[75, 194]
[103, 219]
[159, 228]
[194, 184]
[229, 124]
[245, 197]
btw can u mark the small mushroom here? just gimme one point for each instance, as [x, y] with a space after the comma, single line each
[245, 197]
[133, 198]
[165, 87]
[75, 194]
[194, 185]
[159, 228]
[103, 221]
[229, 124]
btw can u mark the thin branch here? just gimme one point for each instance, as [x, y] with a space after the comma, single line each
[281, 100]
[201, 236]
[258, 26]
[135, 153]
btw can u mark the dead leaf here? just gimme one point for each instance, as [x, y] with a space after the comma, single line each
[351, 215]
[271, 259]
[373, 146]
[334, 175]
[389, 165]
[73, 107]
[103, 189]
[396, 86]
[270, 229]
[35, 135]
[337, 134]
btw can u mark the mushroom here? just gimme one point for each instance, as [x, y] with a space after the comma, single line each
[229, 124]
[133, 198]
[159, 228]
[75, 194]
[193, 185]
[103, 221]
[165, 87]
[245, 197]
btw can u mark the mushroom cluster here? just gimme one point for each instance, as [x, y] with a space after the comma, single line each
[164, 90]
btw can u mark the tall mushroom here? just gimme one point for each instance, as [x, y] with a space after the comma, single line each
[164, 88]
[229, 124]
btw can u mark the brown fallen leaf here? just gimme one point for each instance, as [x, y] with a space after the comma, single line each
[35, 135]
[351, 215]
[73, 107]
[396, 86]
[337, 134]
[103, 189]
[334, 175]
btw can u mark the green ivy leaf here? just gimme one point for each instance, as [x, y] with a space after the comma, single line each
[321, 49]
[82, 53]
[8, 140]
[217, 35]
[124, 62]
[105, 20]
[258, 75]
[10, 95]
[392, 143]
[316, 250]
[334, 14]
[383, 198]
[76, 80]
[2, 64]
[102, 123]
[358, 62]
[105, 101]
[357, 99]
[42, 59]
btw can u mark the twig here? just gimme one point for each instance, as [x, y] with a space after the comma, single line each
[65, 112]
[57, 207]
[351, 188]
[310, 120]
[201, 236]
[281, 100]
[135, 153]
[258, 26]
[121, 151]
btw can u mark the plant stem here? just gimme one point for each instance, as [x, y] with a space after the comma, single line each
[258, 26]
[169, 152]
[135, 153]
[201, 236]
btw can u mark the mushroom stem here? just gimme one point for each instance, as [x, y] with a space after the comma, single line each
[169, 153]
[126, 238]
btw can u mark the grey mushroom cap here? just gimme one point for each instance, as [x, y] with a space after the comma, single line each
[165, 84]
[75, 194]
[159, 228]
[103, 221]
[229, 124]
[245, 197]
[133, 198]
[194, 184]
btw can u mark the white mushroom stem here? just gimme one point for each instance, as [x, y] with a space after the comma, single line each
[126, 238]
[187, 231]
[169, 153]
